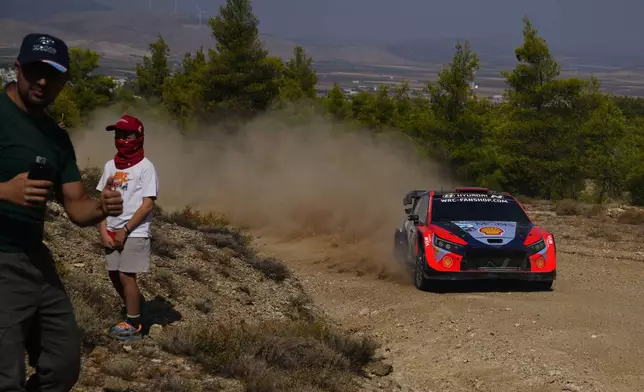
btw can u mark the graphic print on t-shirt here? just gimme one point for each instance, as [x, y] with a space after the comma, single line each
[121, 179]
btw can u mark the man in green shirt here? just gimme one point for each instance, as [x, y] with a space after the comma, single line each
[36, 314]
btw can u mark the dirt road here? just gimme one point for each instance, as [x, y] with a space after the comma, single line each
[585, 335]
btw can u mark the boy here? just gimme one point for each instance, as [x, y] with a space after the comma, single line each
[127, 237]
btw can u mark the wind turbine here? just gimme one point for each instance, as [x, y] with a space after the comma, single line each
[200, 12]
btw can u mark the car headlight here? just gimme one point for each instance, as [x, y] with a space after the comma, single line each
[537, 246]
[446, 245]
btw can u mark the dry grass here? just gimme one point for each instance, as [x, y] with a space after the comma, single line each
[595, 211]
[162, 246]
[90, 178]
[166, 279]
[93, 305]
[271, 267]
[631, 217]
[275, 356]
[603, 234]
[191, 219]
[123, 368]
[568, 207]
[525, 200]
[177, 384]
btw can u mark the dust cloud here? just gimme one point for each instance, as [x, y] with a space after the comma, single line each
[290, 181]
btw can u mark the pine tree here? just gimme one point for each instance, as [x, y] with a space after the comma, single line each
[242, 76]
[151, 75]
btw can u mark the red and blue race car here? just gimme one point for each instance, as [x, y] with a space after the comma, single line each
[473, 233]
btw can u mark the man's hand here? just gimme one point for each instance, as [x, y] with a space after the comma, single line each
[111, 201]
[23, 191]
[119, 238]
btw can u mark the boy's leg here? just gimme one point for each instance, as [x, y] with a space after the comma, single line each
[113, 262]
[132, 296]
[135, 258]
[19, 294]
[115, 277]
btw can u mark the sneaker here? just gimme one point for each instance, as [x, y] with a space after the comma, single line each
[125, 331]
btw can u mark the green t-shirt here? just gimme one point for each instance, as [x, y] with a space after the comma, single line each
[23, 138]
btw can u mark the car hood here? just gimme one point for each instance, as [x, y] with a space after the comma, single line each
[488, 232]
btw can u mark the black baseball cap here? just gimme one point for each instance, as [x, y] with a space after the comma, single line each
[45, 48]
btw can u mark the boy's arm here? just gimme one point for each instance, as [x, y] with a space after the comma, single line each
[102, 228]
[140, 214]
[150, 192]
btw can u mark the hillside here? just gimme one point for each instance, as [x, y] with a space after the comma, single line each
[130, 33]
[224, 317]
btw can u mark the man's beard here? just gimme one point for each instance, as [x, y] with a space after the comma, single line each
[31, 101]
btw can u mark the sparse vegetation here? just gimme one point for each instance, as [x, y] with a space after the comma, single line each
[276, 356]
[631, 217]
[271, 268]
[242, 322]
[163, 247]
[191, 219]
[123, 368]
[568, 207]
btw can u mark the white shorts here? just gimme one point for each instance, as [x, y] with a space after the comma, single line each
[133, 258]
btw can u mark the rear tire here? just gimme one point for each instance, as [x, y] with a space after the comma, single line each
[400, 250]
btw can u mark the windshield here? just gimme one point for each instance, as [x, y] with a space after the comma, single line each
[476, 207]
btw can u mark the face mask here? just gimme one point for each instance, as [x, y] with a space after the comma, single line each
[128, 146]
[130, 152]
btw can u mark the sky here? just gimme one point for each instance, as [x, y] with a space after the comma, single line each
[567, 23]
[603, 25]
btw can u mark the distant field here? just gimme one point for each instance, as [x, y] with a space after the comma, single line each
[490, 81]
[615, 80]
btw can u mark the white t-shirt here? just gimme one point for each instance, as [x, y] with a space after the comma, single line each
[134, 183]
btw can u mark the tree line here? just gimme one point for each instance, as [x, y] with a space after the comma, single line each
[551, 137]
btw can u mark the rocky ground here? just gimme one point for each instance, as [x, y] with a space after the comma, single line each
[581, 336]
[222, 317]
[227, 315]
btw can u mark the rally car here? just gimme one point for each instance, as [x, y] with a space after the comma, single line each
[472, 233]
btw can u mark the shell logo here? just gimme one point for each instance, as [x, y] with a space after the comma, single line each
[490, 230]
[447, 261]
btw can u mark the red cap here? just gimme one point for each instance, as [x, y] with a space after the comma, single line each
[127, 123]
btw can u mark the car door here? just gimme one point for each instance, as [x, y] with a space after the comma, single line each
[421, 211]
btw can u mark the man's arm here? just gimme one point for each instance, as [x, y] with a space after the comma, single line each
[81, 210]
